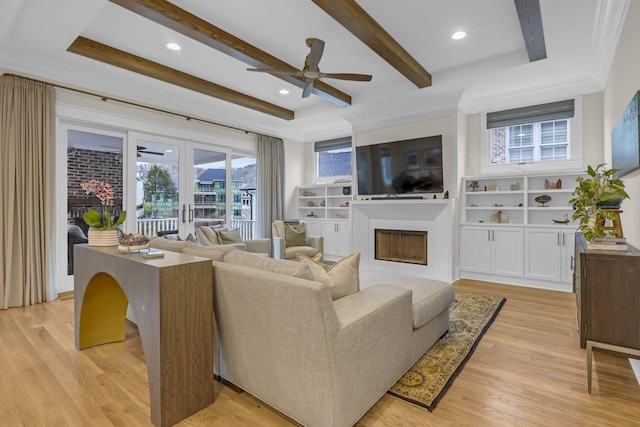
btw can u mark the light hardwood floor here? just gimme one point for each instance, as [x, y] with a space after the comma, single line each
[528, 370]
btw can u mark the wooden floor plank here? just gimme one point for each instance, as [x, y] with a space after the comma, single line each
[528, 370]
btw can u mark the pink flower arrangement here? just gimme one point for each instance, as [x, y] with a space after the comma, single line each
[103, 220]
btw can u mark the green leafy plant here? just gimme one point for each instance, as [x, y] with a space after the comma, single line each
[591, 199]
[103, 220]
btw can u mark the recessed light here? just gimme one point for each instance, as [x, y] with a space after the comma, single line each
[458, 35]
[174, 46]
[283, 92]
[168, 150]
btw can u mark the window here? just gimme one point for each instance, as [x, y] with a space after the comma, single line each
[530, 134]
[333, 157]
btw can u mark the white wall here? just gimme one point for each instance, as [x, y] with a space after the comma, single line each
[298, 157]
[623, 82]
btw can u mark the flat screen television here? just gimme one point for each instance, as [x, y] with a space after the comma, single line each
[409, 166]
[625, 145]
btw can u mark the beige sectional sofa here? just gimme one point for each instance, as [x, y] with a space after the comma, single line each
[324, 363]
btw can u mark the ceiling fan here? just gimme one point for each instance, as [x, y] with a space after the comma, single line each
[140, 149]
[311, 72]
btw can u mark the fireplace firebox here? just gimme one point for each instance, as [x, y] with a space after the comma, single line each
[401, 246]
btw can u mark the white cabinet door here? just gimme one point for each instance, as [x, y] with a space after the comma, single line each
[337, 238]
[331, 240]
[507, 245]
[543, 258]
[313, 228]
[568, 249]
[475, 249]
[344, 237]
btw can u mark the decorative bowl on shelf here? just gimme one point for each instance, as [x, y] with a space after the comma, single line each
[543, 199]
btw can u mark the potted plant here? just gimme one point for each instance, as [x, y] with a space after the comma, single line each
[105, 228]
[596, 197]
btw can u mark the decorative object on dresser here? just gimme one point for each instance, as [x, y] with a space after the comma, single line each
[594, 201]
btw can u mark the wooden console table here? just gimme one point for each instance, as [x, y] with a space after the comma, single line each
[608, 300]
[172, 301]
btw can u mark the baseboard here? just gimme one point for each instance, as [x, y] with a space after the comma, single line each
[65, 295]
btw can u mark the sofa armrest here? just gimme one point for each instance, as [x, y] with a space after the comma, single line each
[316, 242]
[259, 246]
[279, 246]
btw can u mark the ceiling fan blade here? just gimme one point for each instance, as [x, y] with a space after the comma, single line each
[308, 85]
[347, 76]
[317, 47]
[281, 72]
[157, 153]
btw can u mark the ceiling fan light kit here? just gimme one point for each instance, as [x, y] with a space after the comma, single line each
[311, 72]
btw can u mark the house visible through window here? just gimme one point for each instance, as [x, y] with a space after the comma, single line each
[333, 157]
[530, 134]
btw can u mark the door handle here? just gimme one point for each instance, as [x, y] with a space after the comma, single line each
[558, 236]
[572, 263]
[190, 214]
[184, 213]
[489, 235]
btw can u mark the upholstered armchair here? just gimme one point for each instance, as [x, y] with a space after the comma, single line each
[210, 236]
[309, 245]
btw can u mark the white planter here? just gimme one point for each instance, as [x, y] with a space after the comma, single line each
[103, 237]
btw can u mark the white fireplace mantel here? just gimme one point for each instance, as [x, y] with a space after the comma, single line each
[436, 216]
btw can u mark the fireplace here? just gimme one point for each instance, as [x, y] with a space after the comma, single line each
[401, 246]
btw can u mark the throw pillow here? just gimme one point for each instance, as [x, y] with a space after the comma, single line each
[295, 235]
[341, 277]
[227, 237]
[209, 235]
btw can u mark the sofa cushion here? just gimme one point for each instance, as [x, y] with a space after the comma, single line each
[231, 236]
[295, 235]
[280, 266]
[293, 251]
[341, 278]
[429, 297]
[167, 244]
[215, 253]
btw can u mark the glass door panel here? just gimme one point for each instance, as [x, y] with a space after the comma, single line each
[243, 188]
[209, 203]
[157, 188]
[90, 155]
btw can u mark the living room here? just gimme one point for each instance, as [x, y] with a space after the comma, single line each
[528, 369]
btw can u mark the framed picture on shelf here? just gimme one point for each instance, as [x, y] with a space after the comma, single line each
[412, 160]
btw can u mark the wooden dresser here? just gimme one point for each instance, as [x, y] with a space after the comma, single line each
[607, 288]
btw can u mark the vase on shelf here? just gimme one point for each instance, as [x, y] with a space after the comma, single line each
[103, 237]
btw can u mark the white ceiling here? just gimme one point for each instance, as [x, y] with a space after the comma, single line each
[487, 70]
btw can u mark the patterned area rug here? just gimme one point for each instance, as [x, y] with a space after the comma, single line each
[432, 375]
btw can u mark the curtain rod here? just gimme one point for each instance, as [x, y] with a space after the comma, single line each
[107, 98]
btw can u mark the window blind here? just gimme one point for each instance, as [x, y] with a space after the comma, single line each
[531, 114]
[332, 144]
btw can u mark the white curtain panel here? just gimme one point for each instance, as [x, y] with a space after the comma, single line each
[27, 136]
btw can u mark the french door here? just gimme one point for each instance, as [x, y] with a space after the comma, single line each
[179, 185]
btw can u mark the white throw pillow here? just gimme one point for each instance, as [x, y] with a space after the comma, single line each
[341, 277]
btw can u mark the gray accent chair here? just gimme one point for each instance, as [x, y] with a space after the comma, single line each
[281, 251]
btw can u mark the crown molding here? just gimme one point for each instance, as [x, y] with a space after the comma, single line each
[607, 26]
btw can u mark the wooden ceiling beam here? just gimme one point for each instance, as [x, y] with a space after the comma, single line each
[171, 16]
[107, 54]
[531, 24]
[351, 16]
